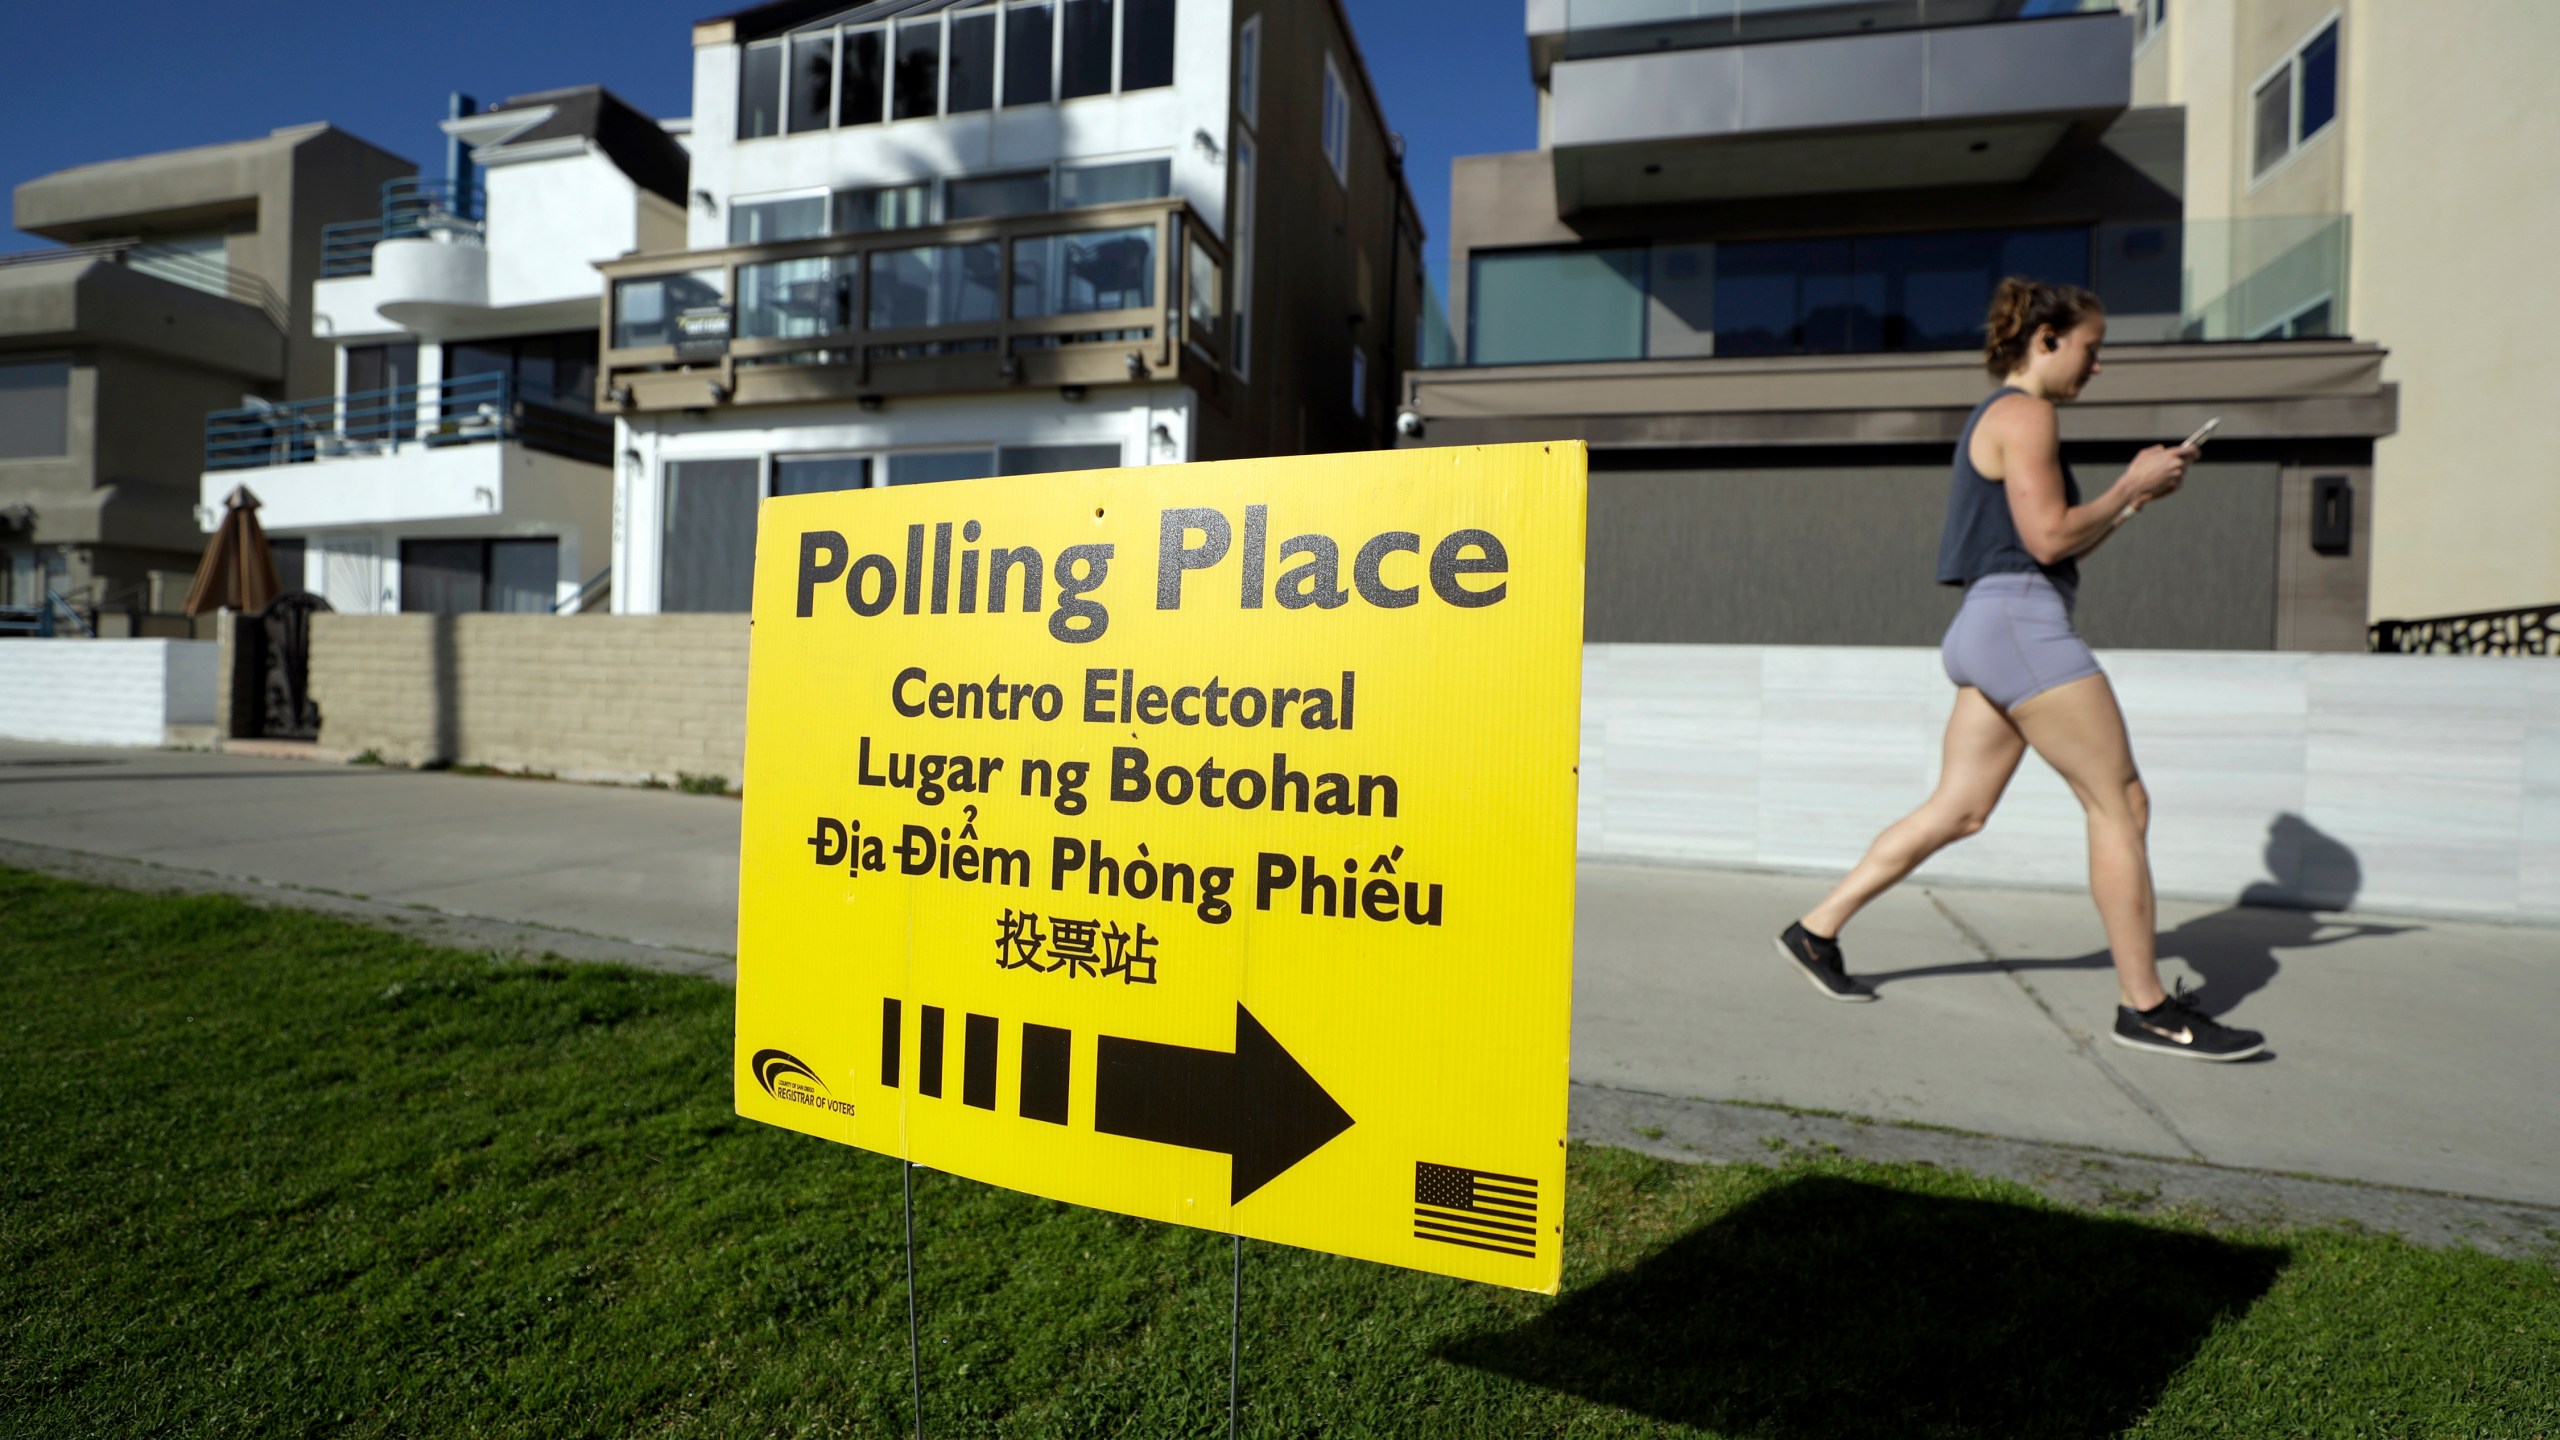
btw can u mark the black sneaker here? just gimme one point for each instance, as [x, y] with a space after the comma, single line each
[1819, 959]
[2177, 1027]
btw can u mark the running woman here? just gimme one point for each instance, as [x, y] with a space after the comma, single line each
[2015, 531]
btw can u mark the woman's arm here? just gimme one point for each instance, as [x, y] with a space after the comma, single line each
[2030, 445]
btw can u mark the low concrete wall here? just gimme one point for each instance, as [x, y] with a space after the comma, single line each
[105, 692]
[620, 697]
[2394, 782]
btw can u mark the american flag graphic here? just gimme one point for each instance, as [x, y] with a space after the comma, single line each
[1475, 1208]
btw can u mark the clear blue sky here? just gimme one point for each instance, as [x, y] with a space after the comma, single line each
[80, 83]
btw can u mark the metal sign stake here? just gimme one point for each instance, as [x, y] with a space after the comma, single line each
[915, 1353]
[1235, 1339]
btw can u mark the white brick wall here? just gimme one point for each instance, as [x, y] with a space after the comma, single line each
[104, 692]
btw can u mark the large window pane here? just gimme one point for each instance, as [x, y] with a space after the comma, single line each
[2319, 83]
[35, 409]
[973, 62]
[1786, 298]
[760, 91]
[986, 197]
[524, 576]
[2273, 109]
[1114, 184]
[931, 468]
[813, 74]
[1146, 44]
[645, 312]
[1556, 305]
[1084, 61]
[1681, 288]
[889, 207]
[866, 78]
[1204, 300]
[761, 222]
[708, 558]
[916, 89]
[1026, 54]
[793, 299]
[933, 285]
[1058, 459]
[1081, 274]
[820, 474]
[442, 577]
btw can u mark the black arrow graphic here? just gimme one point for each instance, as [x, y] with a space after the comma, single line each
[1257, 1105]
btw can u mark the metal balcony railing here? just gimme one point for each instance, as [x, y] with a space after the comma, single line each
[190, 268]
[2533, 630]
[1108, 294]
[411, 207]
[471, 410]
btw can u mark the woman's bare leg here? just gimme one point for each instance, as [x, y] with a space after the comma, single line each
[1982, 752]
[2079, 731]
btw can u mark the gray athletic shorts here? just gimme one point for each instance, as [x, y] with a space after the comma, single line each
[2013, 639]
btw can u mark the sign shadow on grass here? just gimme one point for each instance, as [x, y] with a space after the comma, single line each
[1831, 1307]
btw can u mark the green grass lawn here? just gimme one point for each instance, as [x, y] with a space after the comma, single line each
[267, 1173]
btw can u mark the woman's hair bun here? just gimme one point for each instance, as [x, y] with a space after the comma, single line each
[2020, 308]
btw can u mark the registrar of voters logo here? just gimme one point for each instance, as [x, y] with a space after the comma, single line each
[785, 1076]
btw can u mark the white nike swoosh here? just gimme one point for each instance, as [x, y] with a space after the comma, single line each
[2182, 1035]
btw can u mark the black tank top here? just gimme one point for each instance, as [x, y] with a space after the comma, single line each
[1981, 538]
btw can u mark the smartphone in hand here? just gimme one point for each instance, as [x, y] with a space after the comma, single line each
[2203, 432]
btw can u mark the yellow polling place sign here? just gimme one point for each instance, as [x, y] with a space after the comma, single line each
[1194, 842]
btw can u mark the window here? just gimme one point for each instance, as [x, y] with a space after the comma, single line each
[932, 467]
[984, 197]
[1203, 304]
[1240, 234]
[1084, 59]
[35, 410]
[1249, 71]
[1146, 44]
[1555, 305]
[760, 90]
[708, 537]
[2295, 101]
[973, 62]
[818, 474]
[1027, 57]
[888, 207]
[1083, 185]
[915, 88]
[461, 577]
[1057, 459]
[813, 75]
[2150, 17]
[860, 100]
[761, 222]
[292, 555]
[1337, 123]
[378, 403]
[1359, 381]
[546, 369]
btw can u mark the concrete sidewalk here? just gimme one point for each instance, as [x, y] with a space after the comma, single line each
[2407, 1053]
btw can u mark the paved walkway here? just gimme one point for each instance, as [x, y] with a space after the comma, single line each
[2407, 1053]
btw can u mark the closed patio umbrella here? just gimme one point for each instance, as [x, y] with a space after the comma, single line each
[237, 572]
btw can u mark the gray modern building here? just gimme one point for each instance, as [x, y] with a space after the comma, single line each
[1748, 264]
[183, 285]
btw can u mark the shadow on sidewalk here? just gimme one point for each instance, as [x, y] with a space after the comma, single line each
[2233, 950]
[1828, 1307]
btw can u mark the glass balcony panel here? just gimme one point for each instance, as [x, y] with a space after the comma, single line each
[934, 285]
[1203, 296]
[645, 311]
[2279, 277]
[1081, 274]
[861, 96]
[794, 299]
[813, 82]
[973, 63]
[1550, 305]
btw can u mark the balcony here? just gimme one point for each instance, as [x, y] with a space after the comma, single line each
[412, 208]
[1670, 101]
[1113, 294]
[474, 448]
[2268, 278]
